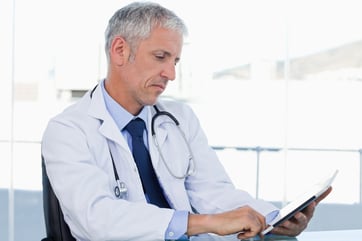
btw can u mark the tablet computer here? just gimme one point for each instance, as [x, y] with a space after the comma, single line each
[301, 202]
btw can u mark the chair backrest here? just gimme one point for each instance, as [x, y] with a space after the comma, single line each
[56, 228]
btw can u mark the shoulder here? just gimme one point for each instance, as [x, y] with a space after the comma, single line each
[183, 112]
[74, 110]
[76, 115]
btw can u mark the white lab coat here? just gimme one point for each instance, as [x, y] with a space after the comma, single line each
[76, 147]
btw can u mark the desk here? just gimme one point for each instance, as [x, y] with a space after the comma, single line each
[340, 235]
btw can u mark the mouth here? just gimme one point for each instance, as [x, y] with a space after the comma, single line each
[160, 86]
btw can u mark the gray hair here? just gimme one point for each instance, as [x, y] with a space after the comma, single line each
[135, 22]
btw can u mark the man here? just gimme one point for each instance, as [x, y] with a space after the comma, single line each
[92, 157]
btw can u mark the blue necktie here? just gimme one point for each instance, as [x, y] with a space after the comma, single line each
[150, 183]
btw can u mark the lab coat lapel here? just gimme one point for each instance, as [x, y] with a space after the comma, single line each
[108, 127]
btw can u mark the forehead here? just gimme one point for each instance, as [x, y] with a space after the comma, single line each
[163, 39]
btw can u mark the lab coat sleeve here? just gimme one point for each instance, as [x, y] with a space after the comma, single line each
[210, 190]
[83, 190]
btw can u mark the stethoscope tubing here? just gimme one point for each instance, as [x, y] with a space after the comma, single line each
[120, 190]
[158, 114]
[191, 166]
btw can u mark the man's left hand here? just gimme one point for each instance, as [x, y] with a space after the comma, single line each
[299, 222]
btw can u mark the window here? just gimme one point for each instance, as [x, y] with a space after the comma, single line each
[285, 77]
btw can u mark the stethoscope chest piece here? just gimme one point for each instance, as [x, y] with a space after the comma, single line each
[120, 190]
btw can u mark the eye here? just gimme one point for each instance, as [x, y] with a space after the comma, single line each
[160, 56]
[177, 61]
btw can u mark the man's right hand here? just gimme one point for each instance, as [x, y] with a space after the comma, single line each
[244, 221]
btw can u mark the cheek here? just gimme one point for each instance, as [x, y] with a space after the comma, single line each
[145, 70]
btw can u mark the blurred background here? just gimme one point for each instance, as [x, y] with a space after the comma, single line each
[285, 75]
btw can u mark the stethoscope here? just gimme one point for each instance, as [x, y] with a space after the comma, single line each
[120, 190]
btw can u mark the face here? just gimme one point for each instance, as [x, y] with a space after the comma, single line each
[145, 76]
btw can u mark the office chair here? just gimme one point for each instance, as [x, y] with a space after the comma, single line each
[56, 228]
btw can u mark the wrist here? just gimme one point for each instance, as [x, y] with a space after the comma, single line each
[199, 223]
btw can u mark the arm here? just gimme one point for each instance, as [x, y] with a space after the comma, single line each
[299, 222]
[211, 191]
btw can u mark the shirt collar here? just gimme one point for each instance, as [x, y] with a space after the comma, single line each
[120, 115]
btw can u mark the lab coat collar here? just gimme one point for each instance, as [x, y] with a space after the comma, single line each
[97, 109]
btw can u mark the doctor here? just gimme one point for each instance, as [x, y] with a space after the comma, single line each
[88, 151]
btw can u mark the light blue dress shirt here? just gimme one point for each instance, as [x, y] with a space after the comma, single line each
[178, 224]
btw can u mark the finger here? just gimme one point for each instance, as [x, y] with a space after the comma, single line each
[288, 229]
[292, 227]
[261, 220]
[280, 230]
[300, 219]
[324, 195]
[309, 210]
[247, 234]
[254, 228]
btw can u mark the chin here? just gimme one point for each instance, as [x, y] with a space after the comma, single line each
[151, 102]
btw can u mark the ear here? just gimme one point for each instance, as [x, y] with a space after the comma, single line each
[119, 51]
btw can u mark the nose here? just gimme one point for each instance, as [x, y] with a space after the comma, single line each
[169, 71]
